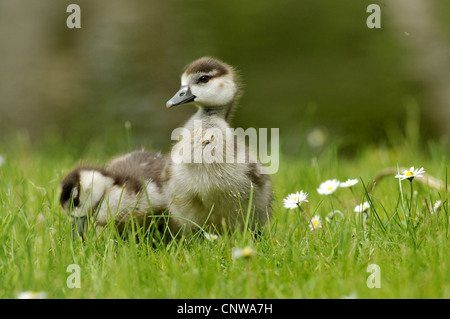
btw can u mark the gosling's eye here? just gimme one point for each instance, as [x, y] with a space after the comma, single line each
[204, 79]
[76, 202]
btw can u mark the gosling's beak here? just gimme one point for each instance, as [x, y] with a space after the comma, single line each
[78, 225]
[183, 96]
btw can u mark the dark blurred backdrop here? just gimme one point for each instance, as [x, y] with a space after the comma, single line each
[311, 68]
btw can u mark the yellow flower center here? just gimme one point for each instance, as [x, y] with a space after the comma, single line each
[295, 199]
[409, 174]
[329, 189]
[315, 223]
[247, 252]
[34, 295]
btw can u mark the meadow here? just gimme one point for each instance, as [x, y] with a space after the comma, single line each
[405, 237]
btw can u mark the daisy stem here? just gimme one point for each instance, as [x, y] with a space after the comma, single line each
[340, 202]
[305, 212]
[308, 219]
[331, 203]
[301, 214]
[354, 197]
[403, 202]
[413, 233]
[411, 198]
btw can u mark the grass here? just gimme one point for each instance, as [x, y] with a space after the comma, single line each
[409, 244]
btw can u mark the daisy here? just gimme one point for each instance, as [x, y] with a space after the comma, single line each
[295, 200]
[436, 206]
[349, 183]
[32, 295]
[328, 187]
[211, 237]
[315, 223]
[245, 252]
[362, 207]
[410, 174]
[353, 295]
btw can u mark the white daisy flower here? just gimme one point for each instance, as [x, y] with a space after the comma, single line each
[362, 207]
[245, 252]
[349, 183]
[315, 223]
[32, 295]
[410, 174]
[353, 295]
[436, 206]
[211, 237]
[295, 200]
[328, 187]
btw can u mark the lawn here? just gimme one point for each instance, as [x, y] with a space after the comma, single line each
[406, 240]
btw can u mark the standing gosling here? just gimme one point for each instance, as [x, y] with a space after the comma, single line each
[213, 192]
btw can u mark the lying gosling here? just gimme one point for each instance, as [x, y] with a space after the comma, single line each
[129, 186]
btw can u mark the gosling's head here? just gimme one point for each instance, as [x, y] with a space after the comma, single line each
[82, 190]
[208, 83]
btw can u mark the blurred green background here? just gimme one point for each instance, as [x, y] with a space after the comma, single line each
[310, 67]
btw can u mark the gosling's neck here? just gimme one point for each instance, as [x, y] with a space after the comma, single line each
[210, 117]
[210, 113]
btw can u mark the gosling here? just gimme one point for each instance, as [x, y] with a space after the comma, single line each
[213, 193]
[129, 186]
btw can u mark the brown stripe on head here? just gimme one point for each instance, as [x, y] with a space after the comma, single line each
[67, 186]
[208, 65]
[72, 182]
